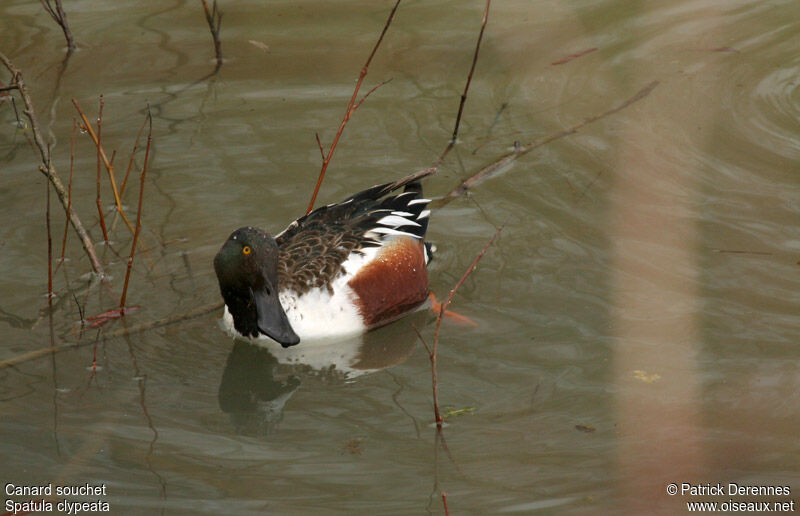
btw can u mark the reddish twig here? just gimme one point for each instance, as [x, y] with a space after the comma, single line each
[106, 162]
[100, 146]
[367, 94]
[319, 143]
[351, 107]
[440, 316]
[133, 155]
[139, 210]
[436, 307]
[422, 339]
[94, 361]
[454, 138]
[214, 20]
[435, 384]
[570, 57]
[60, 17]
[99, 320]
[444, 502]
[469, 270]
[316, 135]
[48, 169]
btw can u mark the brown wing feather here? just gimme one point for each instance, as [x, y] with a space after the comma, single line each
[312, 257]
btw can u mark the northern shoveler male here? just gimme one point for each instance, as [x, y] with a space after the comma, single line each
[343, 269]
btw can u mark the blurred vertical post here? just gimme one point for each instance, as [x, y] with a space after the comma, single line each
[655, 299]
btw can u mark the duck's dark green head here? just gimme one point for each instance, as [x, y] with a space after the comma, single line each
[247, 270]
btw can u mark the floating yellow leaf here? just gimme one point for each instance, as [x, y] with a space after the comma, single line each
[645, 377]
[453, 412]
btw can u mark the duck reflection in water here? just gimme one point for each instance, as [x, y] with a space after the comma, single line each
[259, 379]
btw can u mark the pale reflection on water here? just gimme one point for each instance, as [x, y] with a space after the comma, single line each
[637, 320]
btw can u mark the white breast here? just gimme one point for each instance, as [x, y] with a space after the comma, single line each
[318, 314]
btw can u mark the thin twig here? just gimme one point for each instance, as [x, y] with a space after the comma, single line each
[139, 210]
[319, 143]
[570, 57]
[20, 124]
[80, 308]
[100, 146]
[133, 155]
[108, 165]
[33, 355]
[367, 94]
[520, 150]
[739, 251]
[214, 20]
[454, 138]
[439, 318]
[92, 375]
[49, 170]
[422, 339]
[351, 107]
[141, 380]
[60, 17]
[444, 502]
[446, 448]
[69, 187]
[49, 250]
[469, 270]
[437, 415]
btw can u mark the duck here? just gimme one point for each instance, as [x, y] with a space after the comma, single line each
[341, 270]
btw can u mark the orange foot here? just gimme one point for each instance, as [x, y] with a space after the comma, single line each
[436, 306]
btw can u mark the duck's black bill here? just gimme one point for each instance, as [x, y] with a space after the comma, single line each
[272, 320]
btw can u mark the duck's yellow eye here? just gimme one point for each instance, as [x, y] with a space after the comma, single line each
[246, 249]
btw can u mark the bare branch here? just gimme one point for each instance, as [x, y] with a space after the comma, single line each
[109, 166]
[49, 251]
[69, 187]
[319, 143]
[214, 20]
[133, 155]
[97, 181]
[350, 108]
[454, 138]
[33, 355]
[139, 210]
[507, 159]
[369, 93]
[471, 71]
[440, 315]
[60, 17]
[422, 339]
[49, 170]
